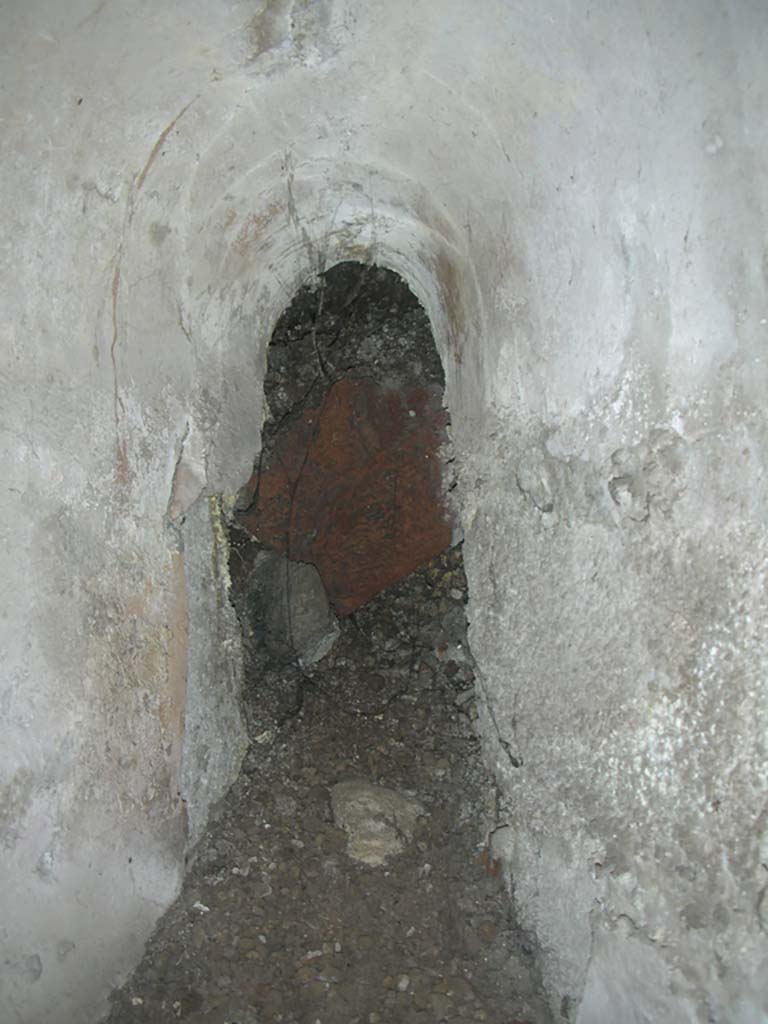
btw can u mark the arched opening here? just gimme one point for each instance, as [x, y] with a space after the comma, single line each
[353, 872]
[350, 493]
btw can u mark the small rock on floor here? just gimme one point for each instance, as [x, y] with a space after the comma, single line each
[377, 820]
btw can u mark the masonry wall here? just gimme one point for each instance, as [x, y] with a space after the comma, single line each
[577, 194]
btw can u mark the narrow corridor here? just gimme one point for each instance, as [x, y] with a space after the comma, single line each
[351, 875]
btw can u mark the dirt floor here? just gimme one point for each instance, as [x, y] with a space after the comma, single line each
[276, 922]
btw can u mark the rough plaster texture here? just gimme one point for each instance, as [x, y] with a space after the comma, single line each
[577, 193]
[215, 737]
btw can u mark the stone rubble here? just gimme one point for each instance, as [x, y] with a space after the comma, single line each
[277, 923]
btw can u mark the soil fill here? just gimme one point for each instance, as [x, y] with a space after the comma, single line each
[277, 922]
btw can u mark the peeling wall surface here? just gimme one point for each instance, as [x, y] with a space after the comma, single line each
[577, 194]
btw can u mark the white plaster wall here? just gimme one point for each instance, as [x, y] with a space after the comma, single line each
[577, 193]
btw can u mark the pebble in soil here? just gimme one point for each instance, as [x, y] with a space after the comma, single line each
[276, 922]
